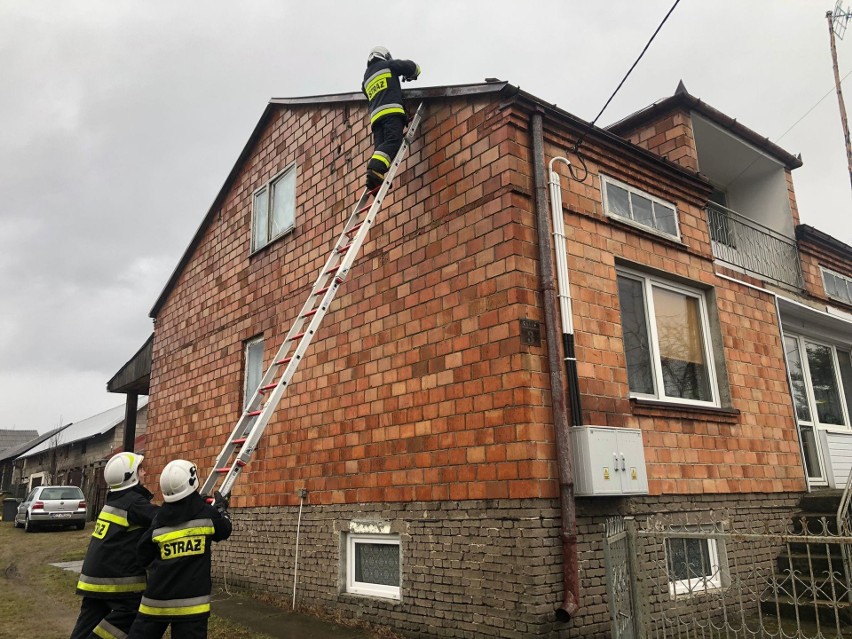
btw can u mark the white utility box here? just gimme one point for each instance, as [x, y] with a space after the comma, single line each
[608, 461]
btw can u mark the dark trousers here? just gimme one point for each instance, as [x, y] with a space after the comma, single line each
[387, 138]
[113, 617]
[147, 628]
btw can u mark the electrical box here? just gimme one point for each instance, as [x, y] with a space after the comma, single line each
[608, 461]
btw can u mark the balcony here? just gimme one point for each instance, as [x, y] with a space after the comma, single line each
[753, 248]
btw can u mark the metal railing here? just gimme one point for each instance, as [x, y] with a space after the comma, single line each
[710, 577]
[754, 248]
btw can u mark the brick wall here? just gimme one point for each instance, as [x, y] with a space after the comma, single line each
[812, 256]
[670, 136]
[472, 569]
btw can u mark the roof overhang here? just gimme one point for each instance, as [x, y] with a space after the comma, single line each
[683, 100]
[814, 322]
[135, 376]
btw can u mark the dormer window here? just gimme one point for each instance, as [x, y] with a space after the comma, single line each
[639, 208]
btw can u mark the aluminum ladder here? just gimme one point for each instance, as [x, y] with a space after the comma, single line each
[243, 441]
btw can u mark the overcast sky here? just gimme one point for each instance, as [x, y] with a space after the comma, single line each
[120, 120]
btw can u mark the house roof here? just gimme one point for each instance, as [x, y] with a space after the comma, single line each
[11, 438]
[89, 427]
[683, 99]
[13, 453]
[491, 86]
[808, 233]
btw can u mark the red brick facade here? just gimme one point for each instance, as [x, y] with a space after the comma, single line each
[417, 386]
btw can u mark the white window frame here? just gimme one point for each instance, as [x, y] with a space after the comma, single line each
[362, 587]
[269, 187]
[698, 585]
[845, 300]
[247, 349]
[605, 179]
[648, 282]
[809, 385]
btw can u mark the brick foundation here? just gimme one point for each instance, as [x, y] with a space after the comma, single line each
[472, 569]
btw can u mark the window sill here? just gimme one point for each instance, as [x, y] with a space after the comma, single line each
[271, 242]
[656, 408]
[388, 602]
[646, 230]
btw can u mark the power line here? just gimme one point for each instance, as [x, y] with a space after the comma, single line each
[828, 93]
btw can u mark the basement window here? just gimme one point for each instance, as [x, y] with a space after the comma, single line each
[373, 565]
[639, 208]
[274, 208]
[693, 566]
[837, 286]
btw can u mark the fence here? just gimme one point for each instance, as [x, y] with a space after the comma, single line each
[711, 577]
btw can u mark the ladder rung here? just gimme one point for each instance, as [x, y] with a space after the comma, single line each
[263, 389]
[309, 313]
[366, 208]
[322, 290]
[354, 228]
[295, 337]
[334, 270]
[286, 360]
[254, 413]
[343, 249]
[239, 442]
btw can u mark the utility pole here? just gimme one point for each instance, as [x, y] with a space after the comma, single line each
[837, 21]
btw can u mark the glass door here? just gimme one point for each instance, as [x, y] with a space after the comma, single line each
[818, 373]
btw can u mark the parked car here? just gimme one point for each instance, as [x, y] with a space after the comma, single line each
[52, 506]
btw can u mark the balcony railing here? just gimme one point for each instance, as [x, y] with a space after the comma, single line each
[754, 248]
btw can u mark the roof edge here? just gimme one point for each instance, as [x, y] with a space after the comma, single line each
[809, 233]
[682, 98]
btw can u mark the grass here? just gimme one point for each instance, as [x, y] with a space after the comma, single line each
[39, 599]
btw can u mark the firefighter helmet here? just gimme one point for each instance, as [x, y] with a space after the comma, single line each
[178, 479]
[122, 470]
[378, 52]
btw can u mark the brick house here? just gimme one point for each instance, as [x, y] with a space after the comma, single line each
[440, 498]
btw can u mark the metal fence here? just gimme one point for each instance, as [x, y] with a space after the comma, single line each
[754, 248]
[710, 577]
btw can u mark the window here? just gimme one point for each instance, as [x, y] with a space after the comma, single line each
[274, 209]
[666, 341]
[837, 286]
[372, 565]
[693, 565]
[633, 205]
[253, 368]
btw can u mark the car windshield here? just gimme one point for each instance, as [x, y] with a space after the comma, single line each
[61, 493]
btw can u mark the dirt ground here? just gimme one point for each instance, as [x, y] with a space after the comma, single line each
[38, 600]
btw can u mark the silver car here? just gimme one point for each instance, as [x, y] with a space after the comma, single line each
[52, 506]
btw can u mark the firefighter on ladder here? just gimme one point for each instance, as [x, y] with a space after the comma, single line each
[387, 114]
[177, 550]
[112, 578]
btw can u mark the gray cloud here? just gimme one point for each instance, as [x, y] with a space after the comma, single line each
[121, 120]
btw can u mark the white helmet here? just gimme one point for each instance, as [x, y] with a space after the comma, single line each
[178, 479]
[121, 471]
[378, 52]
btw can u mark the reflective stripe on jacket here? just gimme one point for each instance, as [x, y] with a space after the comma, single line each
[382, 88]
[177, 550]
[112, 568]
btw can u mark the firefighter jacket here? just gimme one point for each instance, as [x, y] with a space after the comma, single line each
[177, 550]
[112, 569]
[381, 86]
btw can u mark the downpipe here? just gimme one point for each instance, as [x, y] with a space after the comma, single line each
[570, 565]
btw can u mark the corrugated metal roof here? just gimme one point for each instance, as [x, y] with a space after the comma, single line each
[89, 427]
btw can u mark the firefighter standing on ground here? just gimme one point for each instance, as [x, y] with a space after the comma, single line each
[387, 115]
[176, 549]
[112, 578]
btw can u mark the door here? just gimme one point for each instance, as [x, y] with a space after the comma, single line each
[818, 373]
